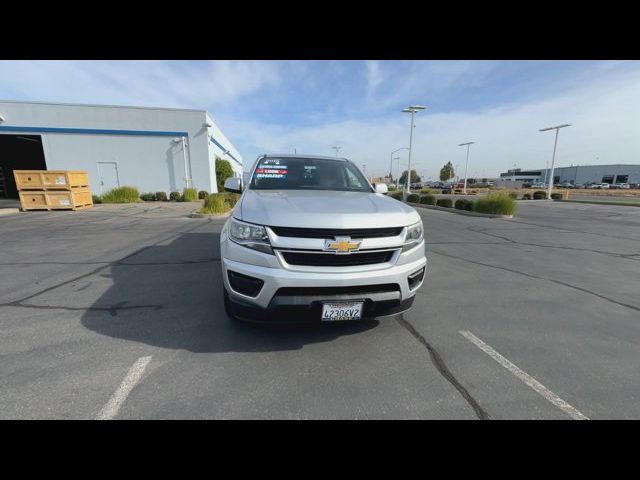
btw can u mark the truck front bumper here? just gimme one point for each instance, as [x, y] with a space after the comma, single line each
[288, 295]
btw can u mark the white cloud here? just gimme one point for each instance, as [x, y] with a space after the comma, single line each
[374, 74]
[152, 83]
[604, 115]
[601, 100]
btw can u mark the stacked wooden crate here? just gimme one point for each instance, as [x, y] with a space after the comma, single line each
[53, 189]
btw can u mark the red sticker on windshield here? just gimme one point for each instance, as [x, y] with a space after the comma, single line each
[272, 171]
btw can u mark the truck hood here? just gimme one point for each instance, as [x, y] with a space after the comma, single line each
[323, 209]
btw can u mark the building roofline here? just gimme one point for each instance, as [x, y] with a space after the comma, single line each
[69, 104]
[600, 165]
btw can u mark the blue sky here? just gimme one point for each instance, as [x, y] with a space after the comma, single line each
[279, 106]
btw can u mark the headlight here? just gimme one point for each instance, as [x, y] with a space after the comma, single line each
[250, 236]
[413, 236]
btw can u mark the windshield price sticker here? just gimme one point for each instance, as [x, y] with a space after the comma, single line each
[271, 171]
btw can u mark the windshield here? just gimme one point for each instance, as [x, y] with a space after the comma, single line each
[308, 174]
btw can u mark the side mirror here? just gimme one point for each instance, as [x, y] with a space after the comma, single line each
[233, 184]
[381, 188]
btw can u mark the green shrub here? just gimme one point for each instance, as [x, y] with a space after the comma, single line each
[397, 194]
[161, 196]
[175, 196]
[444, 202]
[446, 191]
[202, 195]
[526, 196]
[556, 196]
[189, 195]
[539, 195]
[499, 203]
[215, 204]
[428, 200]
[392, 188]
[223, 171]
[231, 198]
[513, 195]
[413, 198]
[96, 199]
[148, 197]
[121, 195]
[464, 204]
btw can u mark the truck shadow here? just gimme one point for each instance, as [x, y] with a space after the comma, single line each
[170, 296]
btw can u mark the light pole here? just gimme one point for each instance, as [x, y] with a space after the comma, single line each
[466, 165]
[337, 149]
[396, 158]
[553, 157]
[412, 109]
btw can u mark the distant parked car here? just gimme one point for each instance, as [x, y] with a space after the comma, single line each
[600, 185]
[624, 186]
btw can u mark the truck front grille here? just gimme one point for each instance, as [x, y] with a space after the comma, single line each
[336, 232]
[332, 260]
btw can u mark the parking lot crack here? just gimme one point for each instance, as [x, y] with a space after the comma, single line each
[121, 261]
[537, 277]
[442, 368]
[560, 247]
[112, 310]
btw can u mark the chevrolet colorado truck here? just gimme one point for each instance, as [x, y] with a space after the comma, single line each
[310, 239]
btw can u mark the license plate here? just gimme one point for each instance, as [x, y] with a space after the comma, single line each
[339, 311]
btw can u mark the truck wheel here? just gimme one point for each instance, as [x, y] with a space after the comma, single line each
[228, 307]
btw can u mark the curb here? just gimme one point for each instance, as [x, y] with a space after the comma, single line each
[460, 212]
[9, 211]
[195, 214]
[596, 202]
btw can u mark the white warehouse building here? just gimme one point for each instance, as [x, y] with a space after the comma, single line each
[154, 149]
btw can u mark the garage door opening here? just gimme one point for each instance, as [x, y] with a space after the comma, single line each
[18, 152]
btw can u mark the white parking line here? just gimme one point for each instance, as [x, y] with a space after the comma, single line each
[110, 410]
[526, 378]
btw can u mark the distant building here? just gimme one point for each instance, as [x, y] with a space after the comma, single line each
[386, 180]
[615, 173]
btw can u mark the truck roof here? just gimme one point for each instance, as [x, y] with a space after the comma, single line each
[301, 155]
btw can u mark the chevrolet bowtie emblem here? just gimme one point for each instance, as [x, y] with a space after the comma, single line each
[341, 245]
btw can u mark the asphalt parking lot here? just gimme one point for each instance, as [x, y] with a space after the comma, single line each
[116, 312]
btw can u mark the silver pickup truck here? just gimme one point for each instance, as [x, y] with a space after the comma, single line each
[312, 240]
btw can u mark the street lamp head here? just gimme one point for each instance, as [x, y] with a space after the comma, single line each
[465, 144]
[556, 127]
[413, 109]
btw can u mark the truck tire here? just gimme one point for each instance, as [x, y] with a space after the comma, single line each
[228, 306]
